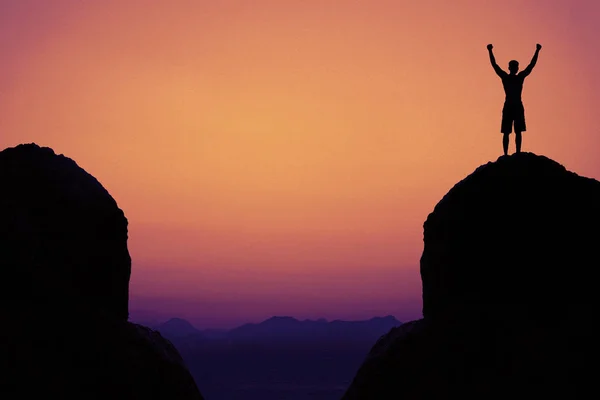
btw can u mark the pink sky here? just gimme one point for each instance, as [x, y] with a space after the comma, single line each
[280, 157]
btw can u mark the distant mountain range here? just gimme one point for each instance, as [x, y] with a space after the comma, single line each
[177, 328]
[282, 328]
[279, 358]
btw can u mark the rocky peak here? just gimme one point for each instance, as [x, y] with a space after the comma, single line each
[63, 239]
[65, 281]
[515, 237]
[508, 267]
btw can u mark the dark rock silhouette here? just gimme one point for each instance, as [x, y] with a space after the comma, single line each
[65, 278]
[508, 292]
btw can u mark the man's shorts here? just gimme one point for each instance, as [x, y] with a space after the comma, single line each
[513, 113]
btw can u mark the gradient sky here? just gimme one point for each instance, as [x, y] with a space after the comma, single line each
[280, 157]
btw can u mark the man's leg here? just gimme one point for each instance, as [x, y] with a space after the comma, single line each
[506, 127]
[518, 139]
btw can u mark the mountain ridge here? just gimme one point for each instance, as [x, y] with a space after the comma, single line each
[179, 328]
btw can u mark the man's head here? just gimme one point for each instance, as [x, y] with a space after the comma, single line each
[513, 66]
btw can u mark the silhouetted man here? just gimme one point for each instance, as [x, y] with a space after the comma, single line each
[513, 110]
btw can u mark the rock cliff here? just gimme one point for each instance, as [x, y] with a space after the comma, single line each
[65, 277]
[508, 291]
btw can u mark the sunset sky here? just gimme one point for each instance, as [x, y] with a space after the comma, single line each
[279, 157]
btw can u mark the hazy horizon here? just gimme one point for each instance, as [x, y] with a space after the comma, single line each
[153, 318]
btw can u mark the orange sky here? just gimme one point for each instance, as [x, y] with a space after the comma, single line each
[280, 157]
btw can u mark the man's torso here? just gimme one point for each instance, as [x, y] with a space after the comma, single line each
[513, 87]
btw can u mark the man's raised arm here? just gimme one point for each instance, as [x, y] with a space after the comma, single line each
[498, 70]
[529, 68]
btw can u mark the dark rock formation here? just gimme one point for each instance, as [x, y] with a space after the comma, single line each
[64, 296]
[64, 240]
[508, 291]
